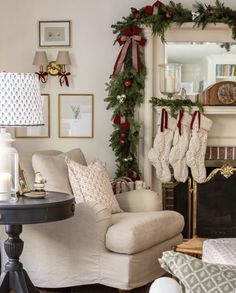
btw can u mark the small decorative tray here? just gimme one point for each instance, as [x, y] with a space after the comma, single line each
[35, 194]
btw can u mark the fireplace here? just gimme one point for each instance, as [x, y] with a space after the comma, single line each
[209, 208]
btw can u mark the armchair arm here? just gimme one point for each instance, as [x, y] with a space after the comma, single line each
[142, 200]
[65, 247]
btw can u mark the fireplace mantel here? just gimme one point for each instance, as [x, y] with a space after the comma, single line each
[212, 110]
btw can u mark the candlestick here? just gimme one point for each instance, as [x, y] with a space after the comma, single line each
[5, 186]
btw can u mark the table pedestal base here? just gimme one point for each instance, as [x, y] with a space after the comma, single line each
[15, 277]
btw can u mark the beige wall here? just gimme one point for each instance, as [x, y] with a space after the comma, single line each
[92, 56]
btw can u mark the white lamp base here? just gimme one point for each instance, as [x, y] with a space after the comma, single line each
[9, 168]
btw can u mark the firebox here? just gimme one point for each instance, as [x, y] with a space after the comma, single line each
[209, 208]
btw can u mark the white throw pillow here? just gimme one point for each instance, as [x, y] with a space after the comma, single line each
[91, 183]
[54, 169]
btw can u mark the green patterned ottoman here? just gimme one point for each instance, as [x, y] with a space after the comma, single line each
[196, 276]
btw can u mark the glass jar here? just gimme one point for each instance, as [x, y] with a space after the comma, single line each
[170, 79]
[9, 168]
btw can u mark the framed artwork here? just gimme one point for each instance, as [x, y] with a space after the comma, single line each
[23, 183]
[37, 131]
[54, 33]
[75, 115]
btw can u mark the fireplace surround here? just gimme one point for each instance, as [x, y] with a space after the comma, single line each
[209, 208]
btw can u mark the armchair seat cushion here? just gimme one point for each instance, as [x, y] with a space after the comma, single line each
[135, 232]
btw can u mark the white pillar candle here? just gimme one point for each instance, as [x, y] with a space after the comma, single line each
[170, 84]
[5, 186]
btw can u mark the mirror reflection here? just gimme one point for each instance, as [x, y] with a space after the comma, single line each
[203, 64]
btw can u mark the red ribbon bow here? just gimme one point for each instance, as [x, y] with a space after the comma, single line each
[164, 119]
[180, 118]
[63, 78]
[42, 76]
[196, 114]
[129, 37]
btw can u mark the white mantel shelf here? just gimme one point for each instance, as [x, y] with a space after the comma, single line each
[213, 110]
[220, 110]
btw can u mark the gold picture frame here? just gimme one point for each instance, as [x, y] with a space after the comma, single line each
[37, 131]
[56, 33]
[23, 183]
[75, 115]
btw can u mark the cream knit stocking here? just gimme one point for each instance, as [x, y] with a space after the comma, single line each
[195, 156]
[177, 156]
[159, 154]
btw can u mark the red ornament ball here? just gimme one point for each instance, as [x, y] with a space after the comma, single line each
[125, 125]
[122, 135]
[122, 141]
[116, 119]
[168, 15]
[128, 82]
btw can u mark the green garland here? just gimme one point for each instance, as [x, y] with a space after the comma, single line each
[126, 87]
[176, 105]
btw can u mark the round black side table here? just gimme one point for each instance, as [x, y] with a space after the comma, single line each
[54, 207]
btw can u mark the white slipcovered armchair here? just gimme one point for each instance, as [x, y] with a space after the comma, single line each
[119, 250]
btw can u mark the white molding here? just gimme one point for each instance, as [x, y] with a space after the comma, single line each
[211, 110]
[147, 108]
[187, 33]
[219, 110]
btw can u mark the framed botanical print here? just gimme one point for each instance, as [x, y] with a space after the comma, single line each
[75, 115]
[37, 131]
[54, 33]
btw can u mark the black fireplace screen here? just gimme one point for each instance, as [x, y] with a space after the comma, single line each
[216, 207]
[209, 208]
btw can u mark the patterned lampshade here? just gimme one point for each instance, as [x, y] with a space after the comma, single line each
[20, 100]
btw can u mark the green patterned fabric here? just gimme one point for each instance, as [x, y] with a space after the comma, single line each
[196, 276]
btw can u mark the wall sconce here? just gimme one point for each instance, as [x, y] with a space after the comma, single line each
[63, 59]
[53, 68]
[41, 59]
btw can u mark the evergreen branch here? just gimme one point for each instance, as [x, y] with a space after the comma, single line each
[175, 105]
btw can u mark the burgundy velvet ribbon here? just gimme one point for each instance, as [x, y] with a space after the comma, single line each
[164, 119]
[181, 115]
[63, 77]
[198, 115]
[129, 37]
[42, 76]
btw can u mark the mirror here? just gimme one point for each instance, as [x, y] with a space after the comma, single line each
[203, 63]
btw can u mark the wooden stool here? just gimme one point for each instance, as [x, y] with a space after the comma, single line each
[192, 247]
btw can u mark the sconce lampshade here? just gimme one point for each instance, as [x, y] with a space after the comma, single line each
[40, 58]
[63, 58]
[20, 100]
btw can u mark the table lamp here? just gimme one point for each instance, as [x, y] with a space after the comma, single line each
[20, 105]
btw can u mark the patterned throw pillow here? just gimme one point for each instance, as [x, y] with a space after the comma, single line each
[91, 183]
[197, 276]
